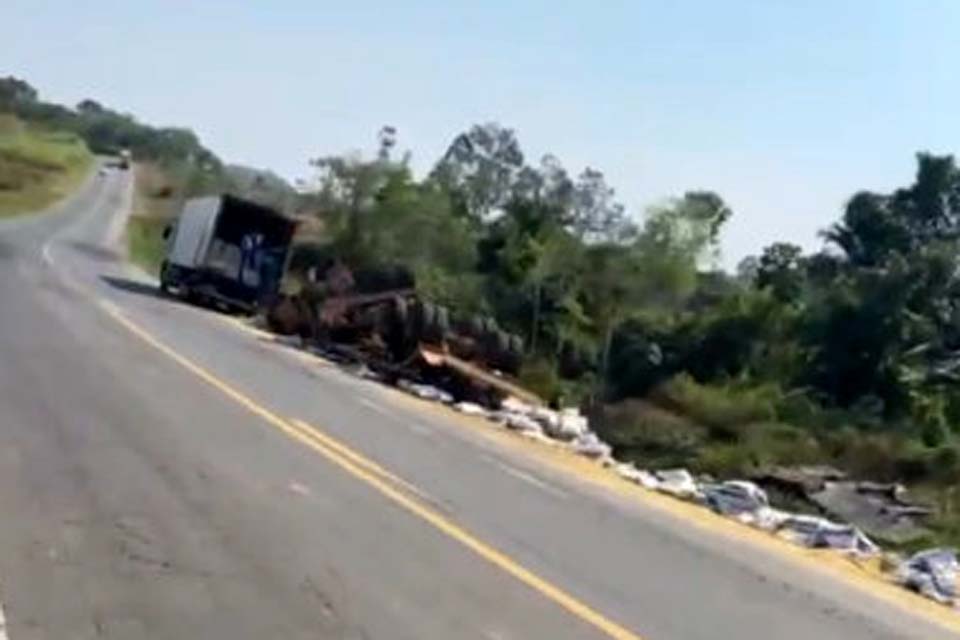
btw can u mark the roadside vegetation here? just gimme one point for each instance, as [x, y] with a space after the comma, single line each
[848, 356]
[145, 242]
[37, 166]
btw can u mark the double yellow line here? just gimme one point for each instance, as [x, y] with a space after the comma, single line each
[386, 483]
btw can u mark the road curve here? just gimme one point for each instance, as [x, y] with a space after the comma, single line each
[163, 475]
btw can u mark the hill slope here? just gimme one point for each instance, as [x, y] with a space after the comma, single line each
[37, 167]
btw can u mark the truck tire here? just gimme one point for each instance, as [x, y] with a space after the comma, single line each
[442, 324]
[426, 316]
[166, 279]
[502, 342]
[401, 312]
[475, 326]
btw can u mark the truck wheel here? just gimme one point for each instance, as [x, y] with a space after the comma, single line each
[475, 326]
[516, 345]
[165, 277]
[503, 342]
[401, 312]
[426, 318]
[443, 321]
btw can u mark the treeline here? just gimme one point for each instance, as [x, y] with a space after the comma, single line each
[105, 130]
[847, 355]
[180, 165]
[191, 167]
[552, 256]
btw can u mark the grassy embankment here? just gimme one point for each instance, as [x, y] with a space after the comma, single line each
[154, 206]
[37, 167]
[735, 431]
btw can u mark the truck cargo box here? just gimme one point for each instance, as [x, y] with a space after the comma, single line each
[226, 249]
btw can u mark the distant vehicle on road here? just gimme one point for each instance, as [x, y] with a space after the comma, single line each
[228, 251]
[125, 159]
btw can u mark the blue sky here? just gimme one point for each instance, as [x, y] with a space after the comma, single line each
[784, 108]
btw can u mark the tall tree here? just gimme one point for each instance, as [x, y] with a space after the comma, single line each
[780, 269]
[480, 168]
[595, 213]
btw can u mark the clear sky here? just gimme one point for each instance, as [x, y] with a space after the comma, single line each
[784, 107]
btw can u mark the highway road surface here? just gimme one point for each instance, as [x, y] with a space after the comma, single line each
[164, 474]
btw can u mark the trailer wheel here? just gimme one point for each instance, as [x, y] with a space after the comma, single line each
[426, 315]
[442, 323]
[502, 342]
[516, 345]
[401, 312]
[475, 326]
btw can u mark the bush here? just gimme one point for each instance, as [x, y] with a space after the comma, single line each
[648, 435]
[145, 241]
[725, 460]
[781, 444]
[540, 376]
[725, 411]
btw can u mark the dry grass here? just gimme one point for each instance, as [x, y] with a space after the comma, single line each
[37, 168]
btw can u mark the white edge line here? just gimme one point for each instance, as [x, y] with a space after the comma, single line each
[527, 477]
[373, 406]
[3, 625]
[45, 252]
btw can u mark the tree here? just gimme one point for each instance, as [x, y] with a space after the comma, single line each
[687, 227]
[875, 226]
[480, 168]
[596, 215]
[90, 107]
[614, 283]
[15, 92]
[780, 270]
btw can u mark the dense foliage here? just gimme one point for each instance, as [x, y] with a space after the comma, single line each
[856, 343]
[189, 168]
[552, 256]
[850, 354]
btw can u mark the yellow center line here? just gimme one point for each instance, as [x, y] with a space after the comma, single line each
[380, 479]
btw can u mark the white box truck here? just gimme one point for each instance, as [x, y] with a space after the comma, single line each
[226, 250]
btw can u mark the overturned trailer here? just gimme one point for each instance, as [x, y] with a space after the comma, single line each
[226, 250]
[376, 317]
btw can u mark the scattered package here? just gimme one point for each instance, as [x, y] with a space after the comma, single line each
[519, 421]
[817, 532]
[571, 425]
[843, 537]
[515, 405]
[628, 471]
[677, 482]
[735, 497]
[471, 409]
[591, 446]
[426, 391]
[932, 573]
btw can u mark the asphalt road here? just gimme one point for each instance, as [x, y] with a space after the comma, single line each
[140, 499]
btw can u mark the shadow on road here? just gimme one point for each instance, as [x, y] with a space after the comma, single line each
[133, 286]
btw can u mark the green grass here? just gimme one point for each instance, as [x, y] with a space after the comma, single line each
[37, 168]
[145, 241]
